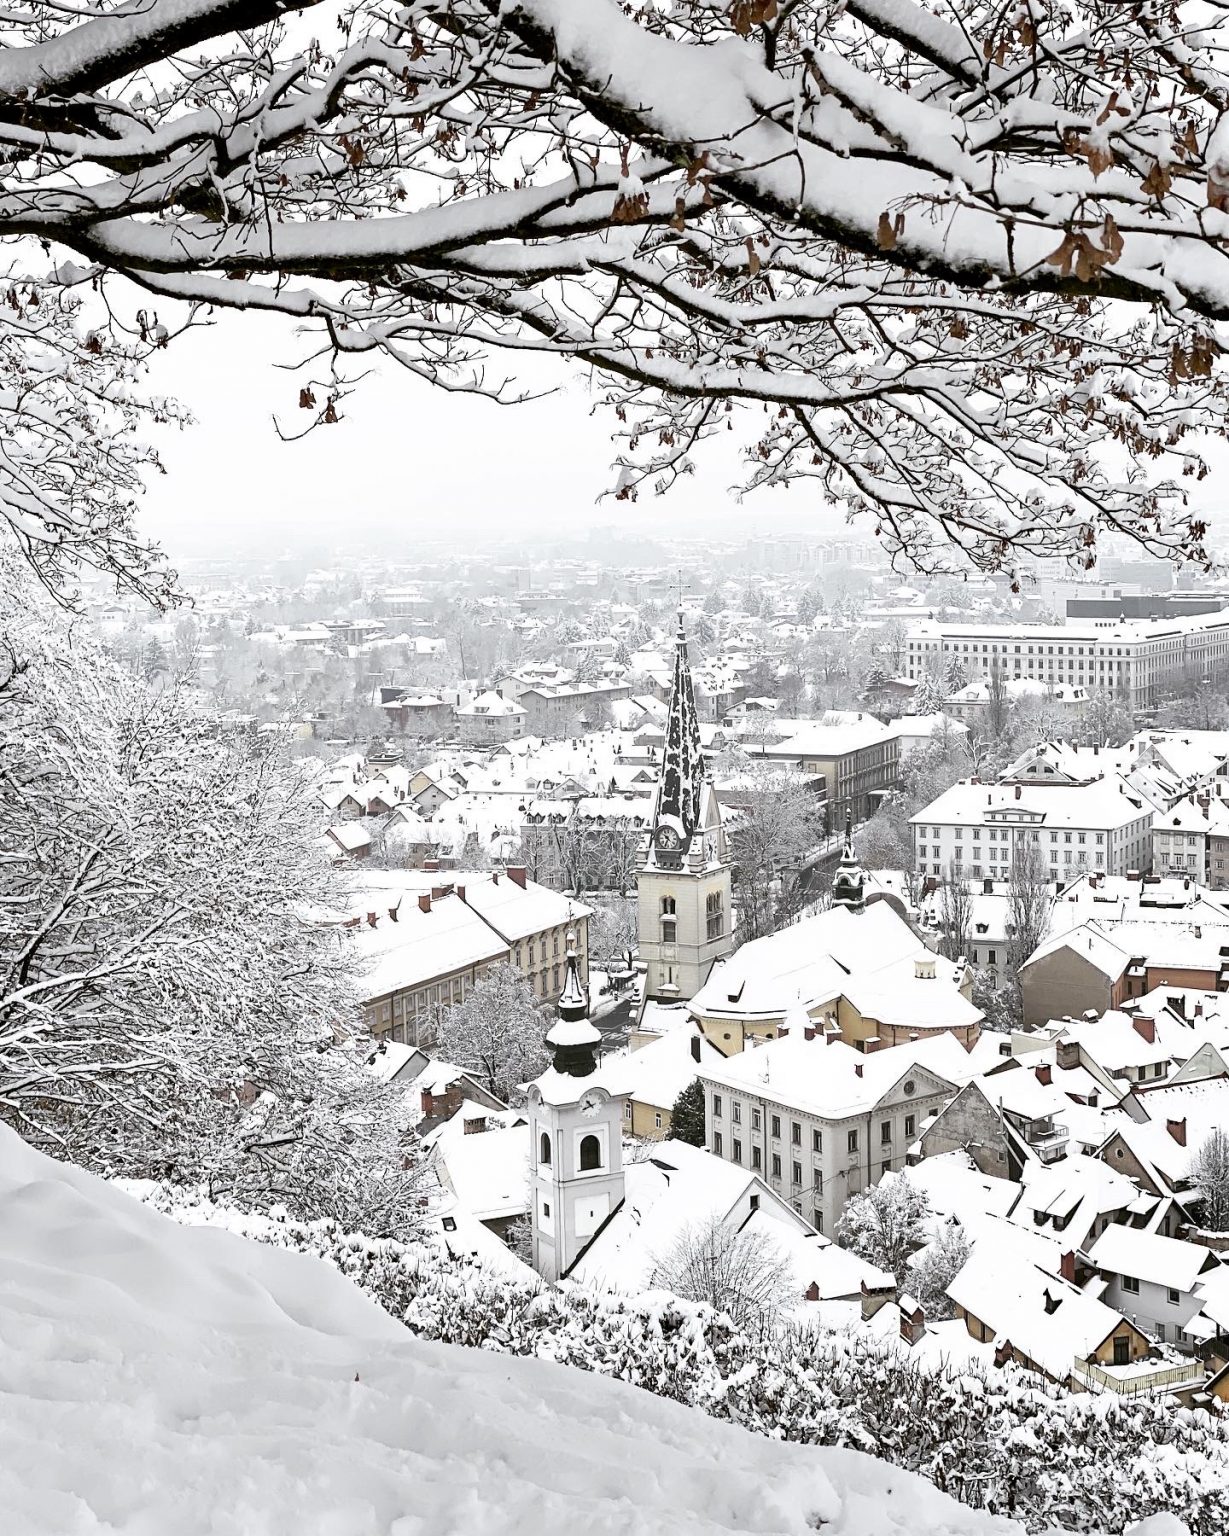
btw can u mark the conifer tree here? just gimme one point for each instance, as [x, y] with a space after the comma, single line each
[687, 1116]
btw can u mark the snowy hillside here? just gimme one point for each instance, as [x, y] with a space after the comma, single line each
[161, 1379]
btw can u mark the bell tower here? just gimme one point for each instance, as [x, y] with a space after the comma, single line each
[683, 882]
[576, 1138]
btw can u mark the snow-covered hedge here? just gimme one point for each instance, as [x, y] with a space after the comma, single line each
[1003, 1441]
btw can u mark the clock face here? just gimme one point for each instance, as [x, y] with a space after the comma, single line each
[667, 837]
[589, 1106]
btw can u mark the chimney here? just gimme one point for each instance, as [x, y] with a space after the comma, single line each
[1051, 1302]
[461, 892]
[1066, 1266]
[424, 902]
[438, 892]
[516, 873]
[871, 1301]
[809, 1032]
[1017, 791]
[987, 887]
[371, 919]
[1177, 1129]
[1145, 1028]
[1044, 1075]
[1199, 1009]
[431, 865]
[857, 1069]
[695, 1048]
[912, 1320]
[392, 913]
[812, 1292]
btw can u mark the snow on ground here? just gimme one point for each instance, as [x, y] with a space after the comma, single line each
[159, 1380]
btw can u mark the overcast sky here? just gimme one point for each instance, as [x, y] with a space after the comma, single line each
[408, 462]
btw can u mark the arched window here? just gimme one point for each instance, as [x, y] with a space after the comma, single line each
[590, 1153]
[667, 906]
[544, 1148]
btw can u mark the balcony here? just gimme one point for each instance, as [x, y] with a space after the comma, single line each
[1048, 1141]
[1140, 1377]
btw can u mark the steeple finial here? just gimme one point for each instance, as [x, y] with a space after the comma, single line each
[573, 1000]
[849, 882]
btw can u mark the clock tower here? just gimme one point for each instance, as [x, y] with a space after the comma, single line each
[683, 882]
[576, 1138]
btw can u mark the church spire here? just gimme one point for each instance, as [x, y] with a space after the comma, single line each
[676, 813]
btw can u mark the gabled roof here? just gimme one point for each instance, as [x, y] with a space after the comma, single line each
[1149, 1256]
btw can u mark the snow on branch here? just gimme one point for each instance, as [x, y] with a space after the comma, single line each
[964, 275]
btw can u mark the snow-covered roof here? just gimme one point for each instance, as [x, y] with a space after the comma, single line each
[487, 1171]
[658, 1072]
[1107, 803]
[681, 1186]
[1122, 1250]
[833, 1081]
[399, 956]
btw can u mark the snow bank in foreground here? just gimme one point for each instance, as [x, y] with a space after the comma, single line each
[159, 1380]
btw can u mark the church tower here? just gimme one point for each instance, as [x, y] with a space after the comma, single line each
[576, 1138]
[683, 883]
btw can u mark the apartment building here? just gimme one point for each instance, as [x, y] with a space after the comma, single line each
[1105, 826]
[1137, 659]
[819, 1121]
[425, 939]
[856, 755]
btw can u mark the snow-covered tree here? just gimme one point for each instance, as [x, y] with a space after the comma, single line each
[778, 820]
[612, 932]
[928, 696]
[814, 181]
[498, 1032]
[886, 1223]
[169, 1005]
[687, 1116]
[937, 1266]
[1209, 1176]
[955, 911]
[736, 1272]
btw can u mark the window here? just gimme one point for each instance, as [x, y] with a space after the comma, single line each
[657, 1120]
[853, 1141]
[714, 916]
[795, 1134]
[796, 1170]
[776, 1125]
[590, 1153]
[716, 1143]
[1131, 1283]
[910, 1126]
[755, 1158]
[668, 929]
[817, 1181]
[544, 1149]
[738, 1150]
[755, 1119]
[667, 906]
[1174, 1297]
[886, 1165]
[736, 1112]
[776, 1166]
[717, 1106]
[546, 1207]
[817, 1141]
[1122, 1351]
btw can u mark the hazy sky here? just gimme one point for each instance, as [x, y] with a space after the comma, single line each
[407, 462]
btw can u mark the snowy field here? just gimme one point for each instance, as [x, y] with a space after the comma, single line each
[159, 1380]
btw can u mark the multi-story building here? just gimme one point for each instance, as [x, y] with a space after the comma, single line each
[1136, 659]
[821, 1121]
[490, 719]
[566, 708]
[1104, 826]
[1191, 838]
[426, 939]
[856, 755]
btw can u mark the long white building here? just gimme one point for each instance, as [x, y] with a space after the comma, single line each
[1105, 826]
[1137, 659]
